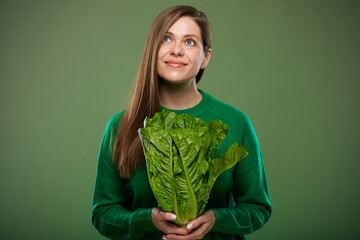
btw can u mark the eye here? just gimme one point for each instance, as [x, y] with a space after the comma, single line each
[166, 39]
[190, 42]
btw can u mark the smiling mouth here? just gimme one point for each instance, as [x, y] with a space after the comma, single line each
[175, 64]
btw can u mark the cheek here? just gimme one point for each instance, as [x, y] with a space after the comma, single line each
[198, 59]
[159, 57]
[162, 52]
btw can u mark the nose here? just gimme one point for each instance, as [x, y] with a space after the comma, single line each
[176, 49]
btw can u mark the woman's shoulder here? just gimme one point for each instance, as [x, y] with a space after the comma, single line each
[236, 119]
[116, 117]
[114, 121]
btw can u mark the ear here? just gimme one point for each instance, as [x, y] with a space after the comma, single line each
[206, 59]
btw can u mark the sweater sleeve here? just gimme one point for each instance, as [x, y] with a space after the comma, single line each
[252, 203]
[110, 207]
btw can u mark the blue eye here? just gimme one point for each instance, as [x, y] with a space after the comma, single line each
[190, 42]
[166, 39]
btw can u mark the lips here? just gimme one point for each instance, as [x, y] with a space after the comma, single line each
[175, 63]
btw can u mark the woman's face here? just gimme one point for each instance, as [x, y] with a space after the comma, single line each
[181, 54]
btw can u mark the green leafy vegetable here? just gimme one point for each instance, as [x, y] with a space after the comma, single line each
[179, 151]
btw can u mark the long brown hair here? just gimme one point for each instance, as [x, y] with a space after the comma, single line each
[127, 150]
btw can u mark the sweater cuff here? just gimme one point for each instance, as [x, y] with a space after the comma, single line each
[141, 222]
[217, 223]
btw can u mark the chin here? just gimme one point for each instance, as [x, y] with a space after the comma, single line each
[176, 79]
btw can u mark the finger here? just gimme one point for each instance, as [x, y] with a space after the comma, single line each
[187, 236]
[155, 212]
[173, 229]
[167, 216]
[196, 223]
[197, 233]
[175, 236]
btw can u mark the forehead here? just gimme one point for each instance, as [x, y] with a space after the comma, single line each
[184, 26]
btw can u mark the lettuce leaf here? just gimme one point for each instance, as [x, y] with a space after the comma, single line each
[179, 152]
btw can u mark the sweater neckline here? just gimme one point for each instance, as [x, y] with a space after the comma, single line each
[203, 106]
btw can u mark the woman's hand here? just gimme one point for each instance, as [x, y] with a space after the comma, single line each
[197, 227]
[161, 221]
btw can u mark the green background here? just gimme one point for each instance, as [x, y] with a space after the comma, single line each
[292, 66]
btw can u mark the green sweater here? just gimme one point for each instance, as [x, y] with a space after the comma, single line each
[121, 208]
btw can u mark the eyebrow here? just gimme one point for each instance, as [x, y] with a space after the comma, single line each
[185, 36]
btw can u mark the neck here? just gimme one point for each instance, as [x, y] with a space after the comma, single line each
[179, 96]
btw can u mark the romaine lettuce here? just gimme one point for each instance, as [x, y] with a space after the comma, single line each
[179, 151]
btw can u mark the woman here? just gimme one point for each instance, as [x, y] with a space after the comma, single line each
[177, 51]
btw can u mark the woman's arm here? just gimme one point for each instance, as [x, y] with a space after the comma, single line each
[109, 214]
[253, 207]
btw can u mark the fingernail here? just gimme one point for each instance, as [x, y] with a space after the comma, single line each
[168, 236]
[164, 238]
[173, 216]
[189, 226]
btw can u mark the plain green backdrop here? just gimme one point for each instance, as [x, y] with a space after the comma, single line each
[292, 66]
